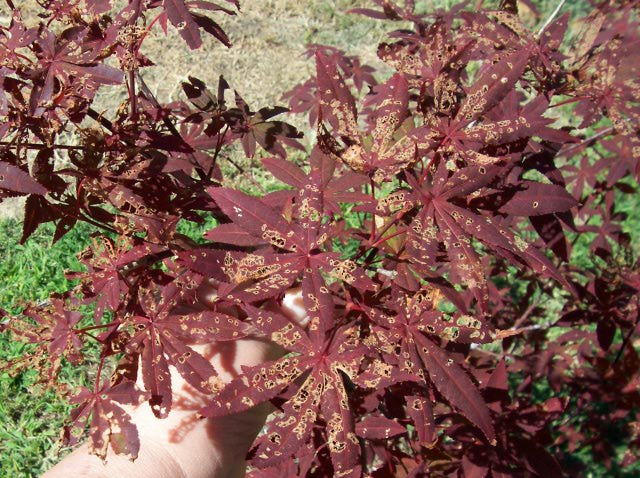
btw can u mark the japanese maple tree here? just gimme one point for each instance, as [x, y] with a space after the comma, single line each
[429, 227]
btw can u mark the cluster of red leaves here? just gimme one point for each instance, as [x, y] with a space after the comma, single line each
[429, 231]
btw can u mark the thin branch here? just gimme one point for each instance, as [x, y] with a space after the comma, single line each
[100, 119]
[40, 146]
[100, 326]
[385, 239]
[551, 17]
[569, 101]
[372, 233]
[99, 372]
[219, 143]
[170, 126]
[585, 142]
[242, 171]
[132, 96]
[626, 339]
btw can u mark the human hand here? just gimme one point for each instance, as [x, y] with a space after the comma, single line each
[183, 445]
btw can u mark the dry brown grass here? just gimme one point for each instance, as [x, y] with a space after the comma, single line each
[269, 38]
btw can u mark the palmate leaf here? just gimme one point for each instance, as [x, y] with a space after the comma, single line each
[536, 199]
[105, 261]
[14, 179]
[63, 61]
[203, 99]
[490, 120]
[188, 23]
[51, 329]
[161, 338]
[609, 84]
[258, 127]
[334, 188]
[431, 61]
[406, 326]
[321, 394]
[295, 249]
[378, 428]
[443, 220]
[379, 381]
[454, 385]
[108, 421]
[394, 143]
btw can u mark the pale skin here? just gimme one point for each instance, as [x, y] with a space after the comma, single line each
[183, 446]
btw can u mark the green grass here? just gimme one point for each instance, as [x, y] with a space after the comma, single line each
[30, 423]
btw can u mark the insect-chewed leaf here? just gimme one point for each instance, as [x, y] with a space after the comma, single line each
[465, 262]
[192, 366]
[257, 218]
[289, 431]
[15, 179]
[537, 199]
[454, 385]
[156, 377]
[423, 238]
[207, 326]
[179, 15]
[494, 84]
[463, 328]
[206, 262]
[232, 234]
[378, 428]
[258, 384]
[553, 34]
[124, 436]
[336, 101]
[391, 111]
[318, 302]
[501, 239]
[393, 203]
[279, 329]
[109, 422]
[469, 179]
[587, 33]
[420, 410]
[285, 171]
[345, 270]
[253, 277]
[342, 441]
